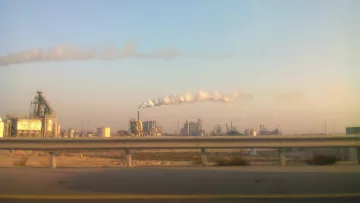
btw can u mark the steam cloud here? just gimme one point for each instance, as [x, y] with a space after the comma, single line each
[189, 98]
[71, 52]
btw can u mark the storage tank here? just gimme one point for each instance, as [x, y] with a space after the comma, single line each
[103, 132]
[58, 129]
[1, 128]
[71, 132]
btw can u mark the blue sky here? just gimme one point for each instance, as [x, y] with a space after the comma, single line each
[278, 49]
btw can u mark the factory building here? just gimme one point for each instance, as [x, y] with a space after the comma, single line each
[192, 128]
[150, 128]
[353, 130]
[148, 125]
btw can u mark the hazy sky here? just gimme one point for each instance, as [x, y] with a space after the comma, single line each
[299, 59]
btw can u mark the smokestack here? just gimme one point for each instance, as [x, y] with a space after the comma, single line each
[138, 117]
[231, 128]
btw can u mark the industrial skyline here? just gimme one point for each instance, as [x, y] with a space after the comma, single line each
[294, 70]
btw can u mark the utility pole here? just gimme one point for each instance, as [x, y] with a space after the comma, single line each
[88, 126]
[325, 128]
[81, 129]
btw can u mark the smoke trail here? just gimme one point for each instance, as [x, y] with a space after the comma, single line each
[189, 98]
[71, 52]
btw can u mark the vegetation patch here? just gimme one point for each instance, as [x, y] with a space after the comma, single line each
[322, 160]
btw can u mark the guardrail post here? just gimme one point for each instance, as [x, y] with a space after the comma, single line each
[203, 156]
[52, 160]
[128, 157]
[354, 154]
[282, 157]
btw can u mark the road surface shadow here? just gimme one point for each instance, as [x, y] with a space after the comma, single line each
[322, 200]
[198, 181]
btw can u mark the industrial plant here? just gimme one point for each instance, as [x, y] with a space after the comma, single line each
[146, 128]
[41, 122]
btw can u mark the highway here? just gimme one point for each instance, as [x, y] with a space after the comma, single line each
[188, 184]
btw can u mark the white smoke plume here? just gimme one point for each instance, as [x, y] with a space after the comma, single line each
[71, 52]
[189, 98]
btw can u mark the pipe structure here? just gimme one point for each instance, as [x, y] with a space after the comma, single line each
[42, 98]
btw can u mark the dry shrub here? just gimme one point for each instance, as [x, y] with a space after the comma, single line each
[322, 160]
[236, 161]
[21, 162]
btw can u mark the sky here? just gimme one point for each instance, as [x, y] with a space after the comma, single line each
[97, 61]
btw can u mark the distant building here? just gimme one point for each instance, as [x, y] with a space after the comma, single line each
[352, 151]
[352, 130]
[192, 128]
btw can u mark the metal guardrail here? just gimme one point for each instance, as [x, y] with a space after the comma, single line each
[221, 142]
[54, 145]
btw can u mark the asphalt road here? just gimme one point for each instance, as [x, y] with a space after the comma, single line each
[324, 200]
[191, 184]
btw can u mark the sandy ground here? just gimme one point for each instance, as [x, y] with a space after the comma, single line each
[116, 158]
[41, 159]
